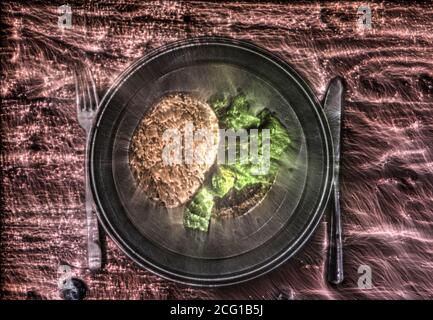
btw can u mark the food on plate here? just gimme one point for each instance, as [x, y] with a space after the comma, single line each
[211, 188]
[175, 183]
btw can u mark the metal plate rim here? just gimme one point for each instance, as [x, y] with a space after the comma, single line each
[289, 251]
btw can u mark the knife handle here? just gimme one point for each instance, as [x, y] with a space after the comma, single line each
[335, 254]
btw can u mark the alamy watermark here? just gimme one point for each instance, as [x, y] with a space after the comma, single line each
[365, 278]
[65, 18]
[364, 21]
[201, 146]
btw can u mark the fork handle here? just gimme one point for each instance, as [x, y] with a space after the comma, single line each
[335, 254]
[94, 254]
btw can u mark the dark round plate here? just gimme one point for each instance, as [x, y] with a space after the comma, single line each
[235, 249]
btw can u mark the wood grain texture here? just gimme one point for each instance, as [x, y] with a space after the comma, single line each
[387, 169]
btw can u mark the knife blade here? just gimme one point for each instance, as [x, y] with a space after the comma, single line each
[332, 106]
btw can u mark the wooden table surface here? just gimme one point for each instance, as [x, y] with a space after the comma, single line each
[387, 169]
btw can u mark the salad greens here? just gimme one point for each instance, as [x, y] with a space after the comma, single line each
[199, 211]
[235, 113]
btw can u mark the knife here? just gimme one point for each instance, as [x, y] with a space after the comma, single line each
[332, 107]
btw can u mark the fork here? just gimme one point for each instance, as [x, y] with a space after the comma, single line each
[87, 102]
